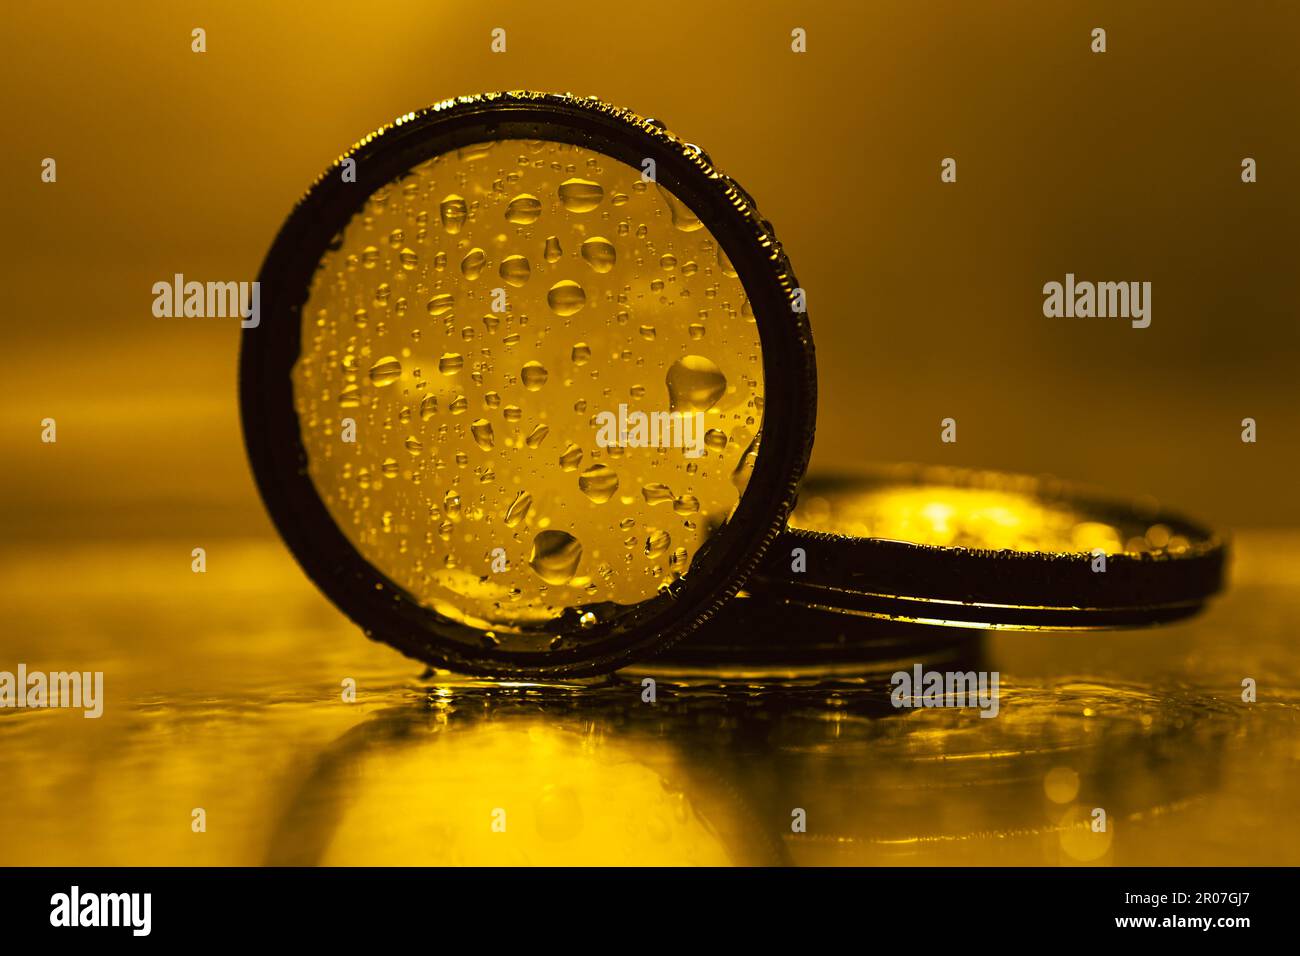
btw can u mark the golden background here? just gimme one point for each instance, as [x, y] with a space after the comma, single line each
[925, 300]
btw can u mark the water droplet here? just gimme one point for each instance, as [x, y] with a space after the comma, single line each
[452, 211]
[587, 619]
[451, 363]
[686, 504]
[555, 556]
[537, 436]
[599, 253]
[745, 467]
[725, 264]
[472, 265]
[409, 259]
[524, 209]
[428, 407]
[458, 404]
[581, 353]
[683, 218]
[389, 468]
[571, 458]
[440, 304]
[515, 270]
[668, 262]
[657, 542]
[481, 429]
[386, 371]
[512, 413]
[533, 375]
[566, 297]
[580, 195]
[716, 439]
[694, 384]
[656, 493]
[553, 251]
[370, 257]
[414, 446]
[599, 482]
[518, 509]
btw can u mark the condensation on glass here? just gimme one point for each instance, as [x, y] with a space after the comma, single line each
[479, 347]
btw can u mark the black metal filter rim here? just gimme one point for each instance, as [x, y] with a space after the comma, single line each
[756, 630]
[905, 581]
[271, 429]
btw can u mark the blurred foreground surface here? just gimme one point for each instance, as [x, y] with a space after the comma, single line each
[224, 692]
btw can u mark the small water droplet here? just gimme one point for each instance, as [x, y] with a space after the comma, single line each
[581, 353]
[408, 259]
[553, 251]
[533, 375]
[452, 211]
[451, 363]
[518, 509]
[571, 458]
[515, 270]
[537, 436]
[599, 253]
[657, 542]
[440, 304]
[683, 218]
[386, 371]
[525, 209]
[481, 429]
[566, 297]
[472, 265]
[656, 493]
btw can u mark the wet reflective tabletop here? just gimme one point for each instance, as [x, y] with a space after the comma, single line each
[225, 692]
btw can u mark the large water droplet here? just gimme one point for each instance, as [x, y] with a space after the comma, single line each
[580, 195]
[599, 482]
[566, 297]
[694, 383]
[599, 253]
[451, 363]
[555, 556]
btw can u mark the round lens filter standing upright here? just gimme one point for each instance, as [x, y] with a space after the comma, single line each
[949, 546]
[505, 400]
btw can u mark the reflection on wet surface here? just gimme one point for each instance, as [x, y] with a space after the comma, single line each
[225, 692]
